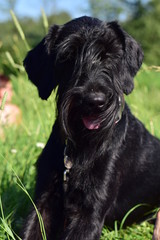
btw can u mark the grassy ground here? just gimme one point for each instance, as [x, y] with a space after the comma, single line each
[20, 149]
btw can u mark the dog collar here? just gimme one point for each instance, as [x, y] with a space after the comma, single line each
[67, 163]
[121, 108]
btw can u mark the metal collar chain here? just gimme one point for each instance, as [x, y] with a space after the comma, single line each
[121, 108]
[67, 163]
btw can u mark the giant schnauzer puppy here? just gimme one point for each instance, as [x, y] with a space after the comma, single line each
[99, 161]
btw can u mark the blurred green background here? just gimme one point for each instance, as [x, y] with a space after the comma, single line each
[140, 18]
[20, 30]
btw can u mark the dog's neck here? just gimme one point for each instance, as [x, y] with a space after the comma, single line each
[72, 149]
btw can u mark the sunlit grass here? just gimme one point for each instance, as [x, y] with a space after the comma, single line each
[144, 100]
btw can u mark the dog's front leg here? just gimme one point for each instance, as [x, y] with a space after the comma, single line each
[50, 210]
[84, 218]
[49, 191]
[83, 226]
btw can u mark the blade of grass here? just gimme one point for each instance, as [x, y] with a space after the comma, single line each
[3, 101]
[11, 61]
[26, 129]
[42, 228]
[37, 212]
[39, 116]
[129, 212]
[19, 29]
[20, 184]
[1, 208]
[5, 225]
[45, 20]
[116, 229]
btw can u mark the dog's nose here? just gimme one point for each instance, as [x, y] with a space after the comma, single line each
[95, 99]
[99, 99]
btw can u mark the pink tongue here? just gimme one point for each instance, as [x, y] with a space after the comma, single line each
[91, 123]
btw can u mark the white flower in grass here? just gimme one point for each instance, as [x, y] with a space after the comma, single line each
[13, 150]
[40, 145]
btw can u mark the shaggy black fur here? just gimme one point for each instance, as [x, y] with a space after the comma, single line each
[116, 162]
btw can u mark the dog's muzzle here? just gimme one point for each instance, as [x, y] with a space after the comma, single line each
[93, 105]
[80, 110]
[97, 108]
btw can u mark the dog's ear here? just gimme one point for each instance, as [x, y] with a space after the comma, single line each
[131, 63]
[39, 64]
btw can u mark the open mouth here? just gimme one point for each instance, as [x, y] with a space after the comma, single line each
[91, 122]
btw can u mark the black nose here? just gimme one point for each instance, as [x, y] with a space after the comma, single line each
[95, 99]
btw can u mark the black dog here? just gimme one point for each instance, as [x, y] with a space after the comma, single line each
[99, 161]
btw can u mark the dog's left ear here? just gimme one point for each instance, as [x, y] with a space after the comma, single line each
[131, 63]
[39, 64]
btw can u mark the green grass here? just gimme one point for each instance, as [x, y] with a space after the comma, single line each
[144, 101]
[19, 150]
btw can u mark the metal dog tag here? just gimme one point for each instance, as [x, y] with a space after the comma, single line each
[67, 162]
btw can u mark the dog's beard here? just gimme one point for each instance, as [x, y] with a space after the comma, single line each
[80, 123]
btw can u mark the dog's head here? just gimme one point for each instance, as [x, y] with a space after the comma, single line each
[93, 63]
